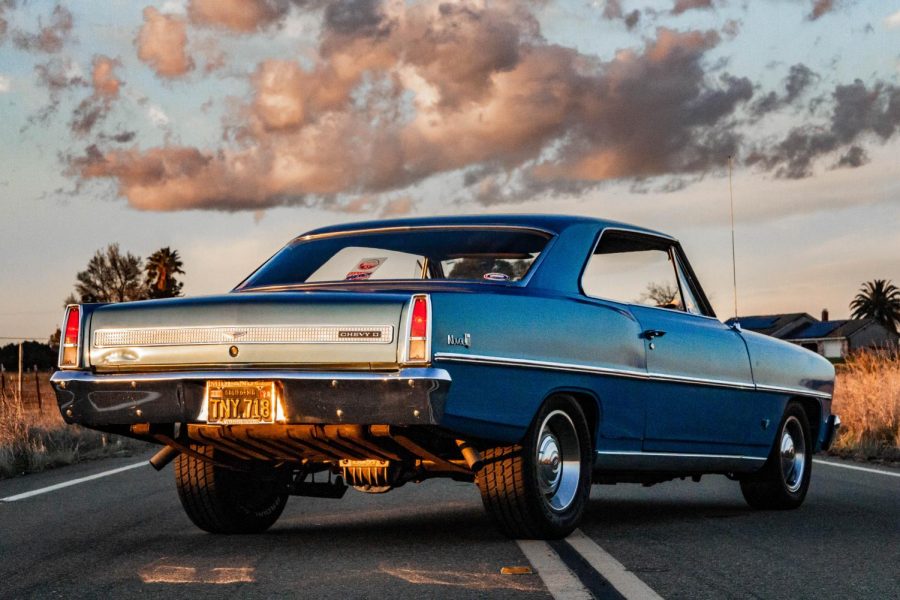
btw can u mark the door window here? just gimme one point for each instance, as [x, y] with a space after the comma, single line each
[636, 270]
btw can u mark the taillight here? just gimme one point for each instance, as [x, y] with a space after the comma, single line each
[419, 330]
[69, 352]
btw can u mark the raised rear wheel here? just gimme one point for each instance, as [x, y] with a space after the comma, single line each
[221, 500]
[783, 481]
[539, 488]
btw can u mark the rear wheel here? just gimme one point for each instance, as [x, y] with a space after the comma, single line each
[221, 500]
[783, 481]
[539, 488]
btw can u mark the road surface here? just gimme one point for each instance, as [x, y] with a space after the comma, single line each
[102, 529]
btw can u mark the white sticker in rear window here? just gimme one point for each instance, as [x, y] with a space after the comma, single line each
[364, 269]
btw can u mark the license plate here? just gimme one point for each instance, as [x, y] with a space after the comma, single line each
[237, 402]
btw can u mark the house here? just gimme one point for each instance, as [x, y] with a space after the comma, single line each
[832, 339]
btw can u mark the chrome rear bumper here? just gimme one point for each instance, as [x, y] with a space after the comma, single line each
[404, 397]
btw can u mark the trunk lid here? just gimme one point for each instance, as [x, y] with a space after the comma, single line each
[316, 329]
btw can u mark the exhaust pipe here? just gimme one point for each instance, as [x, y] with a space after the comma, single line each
[471, 455]
[159, 460]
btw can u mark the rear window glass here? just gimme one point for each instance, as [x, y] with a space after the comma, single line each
[490, 255]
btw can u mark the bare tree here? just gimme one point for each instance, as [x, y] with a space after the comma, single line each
[661, 294]
[111, 277]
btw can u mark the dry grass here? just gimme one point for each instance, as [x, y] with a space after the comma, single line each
[31, 440]
[867, 399]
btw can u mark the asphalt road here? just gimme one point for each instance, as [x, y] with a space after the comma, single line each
[124, 534]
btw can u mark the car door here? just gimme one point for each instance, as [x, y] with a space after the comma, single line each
[698, 392]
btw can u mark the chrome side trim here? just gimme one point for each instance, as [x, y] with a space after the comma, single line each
[611, 461]
[538, 364]
[793, 390]
[241, 334]
[679, 455]
[425, 373]
[555, 366]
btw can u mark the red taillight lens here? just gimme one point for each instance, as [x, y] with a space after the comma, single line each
[72, 326]
[418, 349]
[419, 325]
[69, 355]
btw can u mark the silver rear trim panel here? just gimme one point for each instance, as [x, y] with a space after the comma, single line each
[236, 334]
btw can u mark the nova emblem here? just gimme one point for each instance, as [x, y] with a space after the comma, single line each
[464, 340]
[234, 335]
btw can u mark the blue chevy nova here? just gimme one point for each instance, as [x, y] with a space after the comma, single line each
[532, 355]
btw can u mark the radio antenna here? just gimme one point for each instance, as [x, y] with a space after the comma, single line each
[733, 261]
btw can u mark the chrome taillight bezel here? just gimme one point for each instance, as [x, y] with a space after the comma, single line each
[78, 346]
[405, 355]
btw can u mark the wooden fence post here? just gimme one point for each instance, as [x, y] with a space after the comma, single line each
[19, 386]
[2, 380]
[37, 388]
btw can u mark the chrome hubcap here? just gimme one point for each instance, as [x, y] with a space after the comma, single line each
[793, 454]
[558, 458]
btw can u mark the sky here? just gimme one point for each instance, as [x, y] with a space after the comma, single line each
[223, 128]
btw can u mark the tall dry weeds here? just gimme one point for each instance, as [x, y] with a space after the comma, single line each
[31, 441]
[867, 398]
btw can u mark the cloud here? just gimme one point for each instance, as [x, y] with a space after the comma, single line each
[50, 38]
[820, 8]
[5, 84]
[239, 16]
[682, 6]
[892, 21]
[400, 93]
[799, 79]
[94, 109]
[613, 11]
[860, 112]
[162, 44]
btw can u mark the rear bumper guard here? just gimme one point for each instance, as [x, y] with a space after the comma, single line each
[411, 396]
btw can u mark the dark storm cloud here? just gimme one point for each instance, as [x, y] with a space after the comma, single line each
[859, 112]
[799, 79]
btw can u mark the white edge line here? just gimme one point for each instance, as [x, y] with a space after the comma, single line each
[560, 581]
[819, 461]
[627, 583]
[65, 484]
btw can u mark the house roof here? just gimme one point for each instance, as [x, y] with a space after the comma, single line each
[829, 329]
[773, 324]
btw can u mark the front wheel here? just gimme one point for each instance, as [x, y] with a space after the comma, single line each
[539, 488]
[783, 481]
[221, 500]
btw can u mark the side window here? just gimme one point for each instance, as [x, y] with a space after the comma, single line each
[636, 270]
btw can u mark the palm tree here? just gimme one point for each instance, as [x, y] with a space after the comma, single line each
[878, 300]
[161, 268]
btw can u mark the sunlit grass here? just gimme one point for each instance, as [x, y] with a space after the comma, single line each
[867, 399]
[32, 441]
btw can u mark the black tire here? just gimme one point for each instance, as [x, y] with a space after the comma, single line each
[221, 500]
[778, 485]
[511, 485]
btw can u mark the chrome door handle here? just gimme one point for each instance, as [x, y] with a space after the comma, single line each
[654, 333]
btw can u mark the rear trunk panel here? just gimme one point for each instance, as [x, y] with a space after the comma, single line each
[317, 329]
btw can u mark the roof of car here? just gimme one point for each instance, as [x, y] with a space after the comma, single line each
[551, 223]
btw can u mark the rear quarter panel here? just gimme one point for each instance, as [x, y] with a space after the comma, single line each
[499, 401]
